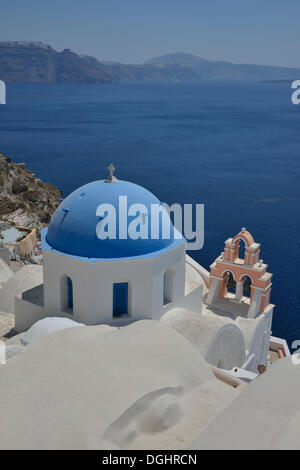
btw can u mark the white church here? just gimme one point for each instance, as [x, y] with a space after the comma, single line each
[225, 313]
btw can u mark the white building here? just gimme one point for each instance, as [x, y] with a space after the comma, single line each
[119, 280]
[112, 281]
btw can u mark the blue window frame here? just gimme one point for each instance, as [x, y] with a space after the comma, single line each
[120, 299]
[70, 292]
[168, 286]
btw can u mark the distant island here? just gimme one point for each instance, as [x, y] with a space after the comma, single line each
[284, 80]
[36, 62]
[220, 70]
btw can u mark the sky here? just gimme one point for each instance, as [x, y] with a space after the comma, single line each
[132, 31]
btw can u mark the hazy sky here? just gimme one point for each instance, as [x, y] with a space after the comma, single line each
[133, 31]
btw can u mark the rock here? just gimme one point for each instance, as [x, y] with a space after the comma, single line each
[18, 217]
[25, 197]
[13, 349]
[7, 323]
[19, 186]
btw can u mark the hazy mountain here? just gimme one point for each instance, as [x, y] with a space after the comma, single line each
[38, 62]
[176, 58]
[220, 70]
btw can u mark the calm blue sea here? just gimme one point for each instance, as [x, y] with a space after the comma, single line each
[232, 146]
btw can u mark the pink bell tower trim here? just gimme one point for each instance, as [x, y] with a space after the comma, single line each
[231, 275]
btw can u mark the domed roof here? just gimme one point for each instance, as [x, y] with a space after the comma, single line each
[46, 326]
[72, 229]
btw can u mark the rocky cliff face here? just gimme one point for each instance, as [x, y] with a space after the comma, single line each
[20, 190]
[35, 62]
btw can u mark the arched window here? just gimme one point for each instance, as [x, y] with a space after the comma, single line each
[67, 294]
[242, 249]
[231, 284]
[168, 286]
[247, 284]
[228, 284]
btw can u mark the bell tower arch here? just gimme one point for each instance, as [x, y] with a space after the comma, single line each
[252, 286]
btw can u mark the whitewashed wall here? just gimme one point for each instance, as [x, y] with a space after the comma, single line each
[93, 287]
[259, 347]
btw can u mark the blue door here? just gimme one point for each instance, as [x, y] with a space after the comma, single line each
[70, 292]
[120, 299]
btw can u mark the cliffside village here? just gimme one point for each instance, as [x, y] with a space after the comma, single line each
[26, 205]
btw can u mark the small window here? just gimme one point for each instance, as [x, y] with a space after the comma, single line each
[120, 299]
[168, 286]
[231, 283]
[70, 292]
[247, 285]
[67, 294]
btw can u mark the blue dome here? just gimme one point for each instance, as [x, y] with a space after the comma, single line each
[72, 229]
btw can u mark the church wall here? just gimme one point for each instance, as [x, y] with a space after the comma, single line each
[102, 276]
[55, 267]
[192, 301]
[227, 348]
[259, 347]
[218, 340]
[26, 314]
[174, 259]
[93, 286]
